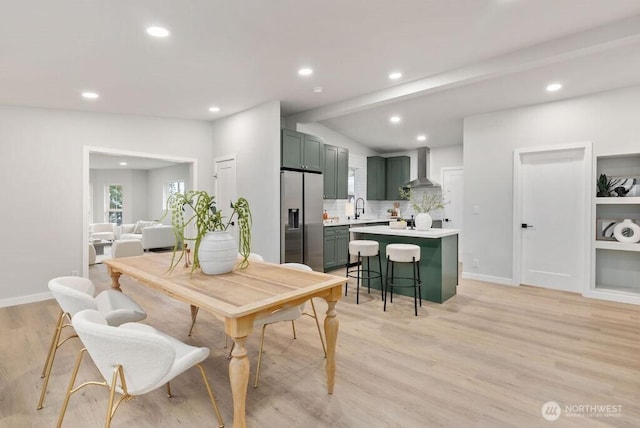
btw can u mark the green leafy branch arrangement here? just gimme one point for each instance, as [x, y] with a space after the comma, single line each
[428, 202]
[199, 208]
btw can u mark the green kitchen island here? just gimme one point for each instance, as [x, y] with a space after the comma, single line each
[438, 258]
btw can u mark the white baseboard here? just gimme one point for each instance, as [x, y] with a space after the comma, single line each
[488, 278]
[613, 296]
[31, 298]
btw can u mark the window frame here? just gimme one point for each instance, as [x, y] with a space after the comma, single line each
[119, 212]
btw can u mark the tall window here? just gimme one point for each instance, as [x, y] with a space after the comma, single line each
[351, 183]
[114, 203]
[171, 188]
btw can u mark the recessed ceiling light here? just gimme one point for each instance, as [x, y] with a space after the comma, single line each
[317, 89]
[554, 87]
[214, 109]
[421, 137]
[394, 119]
[158, 32]
[395, 75]
[90, 95]
[123, 164]
[305, 72]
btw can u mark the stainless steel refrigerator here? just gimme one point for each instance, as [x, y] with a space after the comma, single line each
[301, 227]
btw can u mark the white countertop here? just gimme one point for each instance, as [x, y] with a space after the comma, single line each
[386, 230]
[358, 221]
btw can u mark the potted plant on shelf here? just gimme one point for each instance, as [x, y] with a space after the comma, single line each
[215, 250]
[606, 185]
[422, 205]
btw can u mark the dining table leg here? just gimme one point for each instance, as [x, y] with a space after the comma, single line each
[239, 379]
[115, 279]
[331, 333]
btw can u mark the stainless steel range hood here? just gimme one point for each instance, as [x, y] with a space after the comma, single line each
[423, 162]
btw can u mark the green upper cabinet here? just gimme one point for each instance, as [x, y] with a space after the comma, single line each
[376, 178]
[336, 171]
[330, 173]
[301, 151]
[342, 181]
[397, 175]
[312, 153]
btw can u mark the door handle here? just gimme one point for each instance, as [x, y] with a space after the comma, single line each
[527, 226]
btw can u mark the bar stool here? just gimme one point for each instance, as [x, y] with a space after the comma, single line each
[364, 248]
[404, 253]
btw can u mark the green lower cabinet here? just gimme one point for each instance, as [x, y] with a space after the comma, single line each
[438, 265]
[336, 247]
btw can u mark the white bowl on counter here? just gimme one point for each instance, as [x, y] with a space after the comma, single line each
[397, 224]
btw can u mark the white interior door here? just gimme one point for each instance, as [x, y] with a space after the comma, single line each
[552, 218]
[452, 191]
[225, 188]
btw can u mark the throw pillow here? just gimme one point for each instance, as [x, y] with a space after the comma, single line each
[141, 224]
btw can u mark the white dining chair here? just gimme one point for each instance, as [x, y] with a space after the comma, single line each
[286, 314]
[75, 294]
[126, 248]
[133, 359]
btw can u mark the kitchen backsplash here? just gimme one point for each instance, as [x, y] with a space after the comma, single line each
[373, 209]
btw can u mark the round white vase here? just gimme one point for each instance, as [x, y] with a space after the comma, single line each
[627, 231]
[423, 221]
[218, 252]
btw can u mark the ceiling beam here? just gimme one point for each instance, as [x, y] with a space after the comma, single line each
[581, 44]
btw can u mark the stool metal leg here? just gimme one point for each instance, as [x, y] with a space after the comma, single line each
[393, 274]
[380, 270]
[386, 285]
[346, 285]
[415, 287]
[368, 275]
[359, 265]
[419, 285]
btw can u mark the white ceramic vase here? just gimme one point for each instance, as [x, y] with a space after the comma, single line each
[627, 231]
[218, 252]
[423, 221]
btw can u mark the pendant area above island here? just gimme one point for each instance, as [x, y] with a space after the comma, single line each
[438, 257]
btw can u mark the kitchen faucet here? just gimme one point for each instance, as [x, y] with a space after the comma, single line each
[358, 215]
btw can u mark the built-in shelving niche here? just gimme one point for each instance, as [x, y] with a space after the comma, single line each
[617, 264]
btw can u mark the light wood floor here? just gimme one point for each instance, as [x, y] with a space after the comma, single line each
[489, 357]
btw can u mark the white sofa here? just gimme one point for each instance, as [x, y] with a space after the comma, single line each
[151, 234]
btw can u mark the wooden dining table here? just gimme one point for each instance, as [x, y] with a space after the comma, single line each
[237, 298]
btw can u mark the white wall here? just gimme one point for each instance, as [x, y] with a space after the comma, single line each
[609, 120]
[443, 157]
[329, 136]
[41, 156]
[254, 137]
[157, 180]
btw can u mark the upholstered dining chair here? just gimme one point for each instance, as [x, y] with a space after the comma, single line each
[195, 309]
[286, 314]
[126, 248]
[75, 294]
[133, 359]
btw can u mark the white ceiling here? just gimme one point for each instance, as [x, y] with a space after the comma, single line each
[459, 57]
